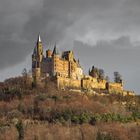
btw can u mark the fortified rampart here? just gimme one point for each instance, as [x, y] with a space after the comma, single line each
[89, 82]
[63, 83]
[114, 87]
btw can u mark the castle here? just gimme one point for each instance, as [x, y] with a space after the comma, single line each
[66, 71]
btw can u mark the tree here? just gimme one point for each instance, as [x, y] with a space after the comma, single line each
[102, 136]
[25, 76]
[94, 72]
[107, 78]
[101, 74]
[20, 130]
[117, 77]
[24, 72]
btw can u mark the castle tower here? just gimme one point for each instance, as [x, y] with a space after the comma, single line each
[55, 51]
[71, 66]
[55, 57]
[37, 57]
[48, 53]
[39, 47]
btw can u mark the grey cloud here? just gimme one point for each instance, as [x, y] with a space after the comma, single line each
[15, 53]
[56, 17]
[119, 43]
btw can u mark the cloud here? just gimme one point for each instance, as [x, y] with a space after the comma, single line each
[123, 42]
[63, 21]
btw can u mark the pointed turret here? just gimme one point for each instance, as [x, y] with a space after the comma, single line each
[39, 48]
[39, 39]
[55, 51]
[37, 54]
[89, 71]
[78, 61]
[35, 51]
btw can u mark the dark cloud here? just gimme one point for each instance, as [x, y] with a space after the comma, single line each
[123, 42]
[110, 23]
[13, 52]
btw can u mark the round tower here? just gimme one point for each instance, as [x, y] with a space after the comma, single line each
[48, 53]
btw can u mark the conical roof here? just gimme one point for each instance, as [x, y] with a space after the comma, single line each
[55, 50]
[35, 51]
[39, 38]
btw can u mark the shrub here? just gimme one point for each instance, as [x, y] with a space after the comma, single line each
[84, 118]
[41, 97]
[75, 119]
[20, 130]
[92, 120]
[103, 136]
[14, 114]
[67, 114]
[55, 98]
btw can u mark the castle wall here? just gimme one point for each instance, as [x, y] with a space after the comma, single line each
[74, 70]
[88, 83]
[93, 83]
[60, 66]
[36, 72]
[37, 80]
[131, 93]
[115, 87]
[48, 66]
[63, 83]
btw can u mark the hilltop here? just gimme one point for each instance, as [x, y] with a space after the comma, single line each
[36, 113]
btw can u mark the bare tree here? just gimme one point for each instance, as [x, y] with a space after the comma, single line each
[24, 72]
[117, 77]
[107, 78]
[101, 74]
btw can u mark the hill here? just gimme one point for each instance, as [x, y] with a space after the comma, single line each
[47, 113]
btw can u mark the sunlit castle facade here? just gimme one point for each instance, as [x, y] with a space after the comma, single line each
[54, 63]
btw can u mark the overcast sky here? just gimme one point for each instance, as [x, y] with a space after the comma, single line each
[106, 31]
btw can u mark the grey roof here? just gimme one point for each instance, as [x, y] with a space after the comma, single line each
[55, 51]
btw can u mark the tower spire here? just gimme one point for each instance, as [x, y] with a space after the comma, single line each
[55, 51]
[39, 38]
[39, 48]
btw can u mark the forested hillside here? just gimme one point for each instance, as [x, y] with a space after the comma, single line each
[46, 113]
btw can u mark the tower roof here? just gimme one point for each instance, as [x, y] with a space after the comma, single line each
[55, 50]
[39, 38]
[35, 51]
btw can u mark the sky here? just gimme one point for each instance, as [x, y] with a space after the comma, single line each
[104, 33]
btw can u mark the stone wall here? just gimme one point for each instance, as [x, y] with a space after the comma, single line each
[93, 83]
[36, 73]
[126, 92]
[88, 83]
[115, 87]
[63, 83]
